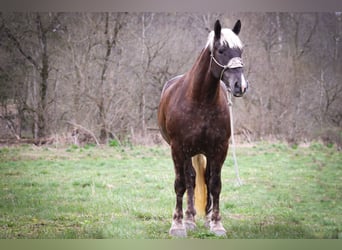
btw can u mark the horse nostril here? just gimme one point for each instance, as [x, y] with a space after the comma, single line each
[239, 90]
[237, 87]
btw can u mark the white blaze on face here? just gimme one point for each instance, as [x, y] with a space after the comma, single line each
[243, 83]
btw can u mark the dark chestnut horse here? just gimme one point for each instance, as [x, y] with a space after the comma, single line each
[193, 117]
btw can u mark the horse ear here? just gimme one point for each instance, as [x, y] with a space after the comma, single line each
[237, 27]
[217, 29]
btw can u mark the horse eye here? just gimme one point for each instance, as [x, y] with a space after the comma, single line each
[221, 50]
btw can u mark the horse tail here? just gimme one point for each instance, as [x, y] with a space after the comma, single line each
[199, 163]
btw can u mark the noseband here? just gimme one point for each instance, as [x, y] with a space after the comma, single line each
[235, 62]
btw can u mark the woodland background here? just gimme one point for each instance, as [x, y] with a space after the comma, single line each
[80, 77]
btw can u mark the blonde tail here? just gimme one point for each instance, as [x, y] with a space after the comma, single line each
[199, 163]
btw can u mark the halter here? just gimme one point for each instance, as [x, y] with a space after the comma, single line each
[235, 62]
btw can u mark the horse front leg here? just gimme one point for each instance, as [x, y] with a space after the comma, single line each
[213, 205]
[177, 228]
[190, 177]
[215, 223]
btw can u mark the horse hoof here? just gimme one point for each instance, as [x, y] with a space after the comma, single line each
[177, 230]
[190, 225]
[217, 229]
[219, 232]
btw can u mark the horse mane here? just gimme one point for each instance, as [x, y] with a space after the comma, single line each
[228, 37]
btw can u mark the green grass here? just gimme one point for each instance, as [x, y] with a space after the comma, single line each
[127, 192]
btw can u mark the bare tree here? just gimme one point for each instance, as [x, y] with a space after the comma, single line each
[36, 55]
[94, 53]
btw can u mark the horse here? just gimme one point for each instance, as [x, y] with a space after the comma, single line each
[193, 118]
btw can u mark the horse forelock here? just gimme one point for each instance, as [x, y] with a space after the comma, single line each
[228, 37]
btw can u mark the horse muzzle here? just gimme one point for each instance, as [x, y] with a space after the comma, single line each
[239, 91]
[240, 87]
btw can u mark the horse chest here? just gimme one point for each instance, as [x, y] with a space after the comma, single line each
[201, 126]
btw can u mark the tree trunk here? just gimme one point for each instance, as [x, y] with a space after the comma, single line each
[44, 76]
[110, 44]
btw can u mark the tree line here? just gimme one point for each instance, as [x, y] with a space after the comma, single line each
[102, 73]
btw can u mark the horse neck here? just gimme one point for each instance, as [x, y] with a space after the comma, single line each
[203, 86]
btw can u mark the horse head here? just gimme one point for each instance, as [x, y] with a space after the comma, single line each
[226, 63]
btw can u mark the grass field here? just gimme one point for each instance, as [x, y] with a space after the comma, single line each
[127, 192]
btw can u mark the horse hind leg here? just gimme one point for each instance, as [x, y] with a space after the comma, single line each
[177, 228]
